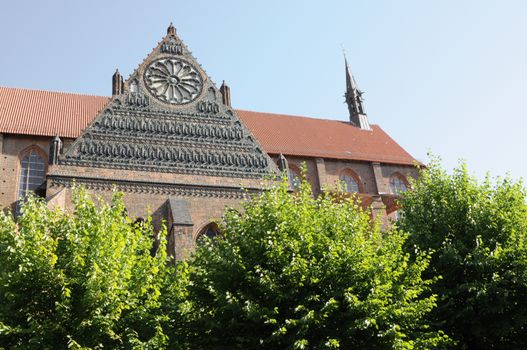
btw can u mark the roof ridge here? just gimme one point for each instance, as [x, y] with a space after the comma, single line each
[296, 116]
[53, 92]
[237, 109]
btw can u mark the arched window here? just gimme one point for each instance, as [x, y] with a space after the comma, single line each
[351, 181]
[212, 94]
[32, 173]
[293, 174]
[134, 86]
[398, 184]
[211, 230]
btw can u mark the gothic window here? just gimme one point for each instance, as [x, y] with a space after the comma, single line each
[134, 86]
[294, 176]
[351, 181]
[398, 184]
[32, 173]
[211, 230]
[212, 94]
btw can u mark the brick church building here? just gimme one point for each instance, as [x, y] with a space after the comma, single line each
[171, 141]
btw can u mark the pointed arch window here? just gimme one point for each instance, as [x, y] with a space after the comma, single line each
[293, 174]
[351, 180]
[398, 184]
[212, 94]
[134, 86]
[32, 173]
[211, 230]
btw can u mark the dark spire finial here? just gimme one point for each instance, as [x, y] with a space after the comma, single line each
[225, 91]
[117, 83]
[354, 99]
[171, 30]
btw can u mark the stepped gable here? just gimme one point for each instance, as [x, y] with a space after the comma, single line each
[168, 116]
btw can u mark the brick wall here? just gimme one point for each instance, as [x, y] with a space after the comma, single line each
[326, 173]
[13, 146]
[321, 174]
[374, 179]
[203, 211]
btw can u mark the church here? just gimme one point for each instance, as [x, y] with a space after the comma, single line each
[169, 139]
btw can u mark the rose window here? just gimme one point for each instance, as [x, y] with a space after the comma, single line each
[173, 81]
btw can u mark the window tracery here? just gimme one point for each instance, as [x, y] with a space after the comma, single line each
[294, 177]
[211, 230]
[398, 184]
[351, 181]
[32, 173]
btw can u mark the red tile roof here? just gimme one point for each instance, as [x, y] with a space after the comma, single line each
[310, 137]
[47, 113]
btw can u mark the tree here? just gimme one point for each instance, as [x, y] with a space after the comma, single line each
[478, 234]
[294, 272]
[85, 279]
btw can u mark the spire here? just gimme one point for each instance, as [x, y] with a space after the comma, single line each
[354, 100]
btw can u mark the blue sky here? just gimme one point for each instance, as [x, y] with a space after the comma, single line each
[442, 76]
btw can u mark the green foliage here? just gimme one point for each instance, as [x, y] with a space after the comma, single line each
[478, 232]
[294, 272]
[80, 280]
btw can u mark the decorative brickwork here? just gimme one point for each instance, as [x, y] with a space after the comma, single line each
[147, 187]
[168, 119]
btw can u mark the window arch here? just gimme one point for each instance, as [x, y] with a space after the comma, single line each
[212, 94]
[134, 86]
[293, 174]
[351, 180]
[32, 172]
[210, 230]
[398, 184]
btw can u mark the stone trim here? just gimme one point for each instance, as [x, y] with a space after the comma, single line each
[147, 187]
[379, 181]
[321, 172]
[171, 168]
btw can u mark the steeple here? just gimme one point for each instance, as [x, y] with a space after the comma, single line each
[354, 100]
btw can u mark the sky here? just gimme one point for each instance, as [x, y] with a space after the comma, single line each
[447, 77]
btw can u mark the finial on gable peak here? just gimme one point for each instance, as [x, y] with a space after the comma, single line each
[171, 30]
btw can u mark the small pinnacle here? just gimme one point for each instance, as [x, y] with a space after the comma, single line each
[171, 30]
